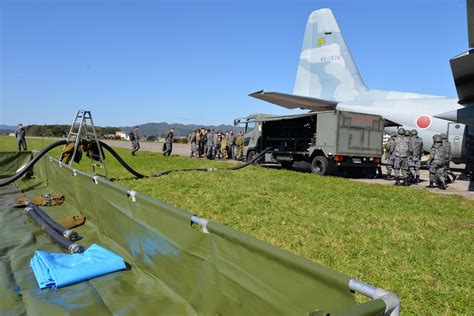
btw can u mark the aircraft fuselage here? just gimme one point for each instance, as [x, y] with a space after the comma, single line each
[417, 113]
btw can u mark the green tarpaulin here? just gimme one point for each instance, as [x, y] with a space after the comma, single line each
[11, 162]
[175, 268]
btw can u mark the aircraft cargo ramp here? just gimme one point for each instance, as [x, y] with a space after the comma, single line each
[175, 268]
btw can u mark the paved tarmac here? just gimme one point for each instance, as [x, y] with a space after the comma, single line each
[178, 149]
[461, 186]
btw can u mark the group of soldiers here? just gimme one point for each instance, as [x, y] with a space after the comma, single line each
[214, 144]
[404, 151]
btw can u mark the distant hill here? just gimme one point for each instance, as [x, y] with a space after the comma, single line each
[161, 129]
[6, 129]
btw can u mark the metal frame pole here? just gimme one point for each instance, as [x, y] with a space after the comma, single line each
[392, 302]
[78, 137]
[101, 156]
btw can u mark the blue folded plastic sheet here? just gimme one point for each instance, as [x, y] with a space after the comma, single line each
[58, 269]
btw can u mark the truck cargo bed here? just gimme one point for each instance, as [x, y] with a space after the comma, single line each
[289, 135]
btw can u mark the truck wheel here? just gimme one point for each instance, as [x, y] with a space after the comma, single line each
[251, 155]
[319, 165]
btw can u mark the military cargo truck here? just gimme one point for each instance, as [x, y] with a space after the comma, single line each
[330, 141]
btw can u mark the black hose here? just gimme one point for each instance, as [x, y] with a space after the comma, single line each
[68, 233]
[122, 162]
[139, 175]
[53, 234]
[254, 160]
[64, 142]
[251, 162]
[32, 163]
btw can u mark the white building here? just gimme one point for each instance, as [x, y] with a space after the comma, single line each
[122, 135]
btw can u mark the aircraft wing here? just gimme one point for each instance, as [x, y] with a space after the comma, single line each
[463, 116]
[389, 123]
[291, 101]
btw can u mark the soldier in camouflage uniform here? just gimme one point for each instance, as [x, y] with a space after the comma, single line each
[20, 137]
[402, 151]
[210, 144]
[169, 143]
[447, 151]
[224, 146]
[202, 149]
[232, 145]
[437, 163]
[218, 144]
[192, 141]
[215, 141]
[135, 139]
[239, 141]
[390, 154]
[417, 150]
[410, 177]
[198, 143]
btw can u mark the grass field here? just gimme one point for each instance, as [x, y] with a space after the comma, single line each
[412, 242]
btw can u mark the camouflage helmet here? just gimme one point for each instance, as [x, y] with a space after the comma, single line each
[443, 136]
[401, 131]
[437, 139]
[393, 134]
[414, 132]
[407, 132]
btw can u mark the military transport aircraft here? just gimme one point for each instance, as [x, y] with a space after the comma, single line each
[327, 78]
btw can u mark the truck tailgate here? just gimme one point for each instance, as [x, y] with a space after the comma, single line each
[356, 134]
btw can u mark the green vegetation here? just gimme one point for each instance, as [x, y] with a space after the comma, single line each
[412, 242]
[62, 130]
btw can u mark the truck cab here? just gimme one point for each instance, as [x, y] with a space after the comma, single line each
[252, 125]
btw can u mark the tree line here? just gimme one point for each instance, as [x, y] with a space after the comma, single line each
[63, 130]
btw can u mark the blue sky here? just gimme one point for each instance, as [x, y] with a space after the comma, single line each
[133, 62]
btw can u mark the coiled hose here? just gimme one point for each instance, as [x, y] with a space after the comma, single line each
[53, 234]
[68, 233]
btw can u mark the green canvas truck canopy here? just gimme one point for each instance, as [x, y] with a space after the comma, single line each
[178, 264]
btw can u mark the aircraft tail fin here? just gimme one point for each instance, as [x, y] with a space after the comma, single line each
[326, 69]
